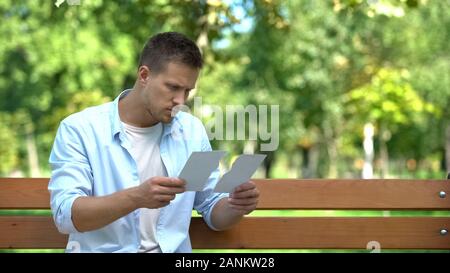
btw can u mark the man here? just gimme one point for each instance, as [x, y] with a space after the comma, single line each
[114, 166]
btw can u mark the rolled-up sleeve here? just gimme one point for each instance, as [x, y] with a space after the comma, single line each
[207, 199]
[71, 175]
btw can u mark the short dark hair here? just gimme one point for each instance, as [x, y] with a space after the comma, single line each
[170, 47]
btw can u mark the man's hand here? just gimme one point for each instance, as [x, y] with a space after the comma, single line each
[157, 192]
[244, 198]
[91, 213]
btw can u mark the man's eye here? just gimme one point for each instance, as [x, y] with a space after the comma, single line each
[173, 87]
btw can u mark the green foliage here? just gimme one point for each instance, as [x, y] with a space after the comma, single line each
[58, 60]
[388, 99]
[9, 144]
[331, 66]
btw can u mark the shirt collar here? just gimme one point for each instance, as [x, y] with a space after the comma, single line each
[117, 127]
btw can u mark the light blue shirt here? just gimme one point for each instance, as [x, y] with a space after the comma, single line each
[90, 157]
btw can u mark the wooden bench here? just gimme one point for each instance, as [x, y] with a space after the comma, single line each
[423, 232]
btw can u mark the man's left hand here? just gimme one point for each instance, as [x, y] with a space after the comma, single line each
[244, 198]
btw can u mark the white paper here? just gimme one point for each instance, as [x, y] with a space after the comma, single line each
[243, 169]
[199, 167]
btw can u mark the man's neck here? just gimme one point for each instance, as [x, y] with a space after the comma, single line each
[133, 112]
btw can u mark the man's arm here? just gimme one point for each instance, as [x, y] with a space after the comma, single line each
[229, 211]
[90, 213]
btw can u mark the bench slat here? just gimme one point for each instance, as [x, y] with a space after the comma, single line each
[32, 193]
[395, 194]
[24, 193]
[328, 233]
[266, 232]
[30, 232]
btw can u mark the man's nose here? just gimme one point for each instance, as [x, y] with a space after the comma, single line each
[179, 98]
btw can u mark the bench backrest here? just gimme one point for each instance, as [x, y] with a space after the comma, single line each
[425, 232]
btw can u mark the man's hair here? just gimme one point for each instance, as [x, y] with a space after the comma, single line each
[170, 47]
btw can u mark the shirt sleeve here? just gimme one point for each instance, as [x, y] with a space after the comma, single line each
[207, 199]
[71, 175]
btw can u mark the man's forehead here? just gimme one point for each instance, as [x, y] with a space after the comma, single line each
[179, 83]
[174, 65]
[181, 74]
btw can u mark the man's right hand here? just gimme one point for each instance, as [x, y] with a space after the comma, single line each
[91, 213]
[158, 191]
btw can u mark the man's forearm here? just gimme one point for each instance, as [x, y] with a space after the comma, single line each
[91, 213]
[223, 216]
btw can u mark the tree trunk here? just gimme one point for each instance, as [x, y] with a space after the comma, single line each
[314, 160]
[331, 150]
[384, 154]
[305, 170]
[333, 155]
[310, 161]
[33, 159]
[447, 148]
[367, 172]
[268, 163]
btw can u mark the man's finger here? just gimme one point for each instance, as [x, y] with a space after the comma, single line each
[170, 182]
[165, 198]
[245, 194]
[246, 186]
[171, 190]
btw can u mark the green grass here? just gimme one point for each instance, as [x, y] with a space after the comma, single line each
[25, 212]
[278, 213]
[340, 213]
[31, 250]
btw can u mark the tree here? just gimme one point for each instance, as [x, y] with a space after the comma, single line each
[54, 53]
[387, 102]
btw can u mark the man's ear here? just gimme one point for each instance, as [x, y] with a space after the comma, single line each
[143, 74]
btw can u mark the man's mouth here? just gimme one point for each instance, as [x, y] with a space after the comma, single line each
[173, 111]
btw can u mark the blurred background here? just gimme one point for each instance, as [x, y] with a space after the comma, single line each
[363, 86]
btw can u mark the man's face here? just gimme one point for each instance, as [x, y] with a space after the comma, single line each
[164, 90]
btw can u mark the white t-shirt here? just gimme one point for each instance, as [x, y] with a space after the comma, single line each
[145, 151]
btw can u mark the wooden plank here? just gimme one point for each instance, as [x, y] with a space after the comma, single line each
[32, 193]
[266, 232]
[30, 232]
[353, 194]
[327, 233]
[24, 193]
